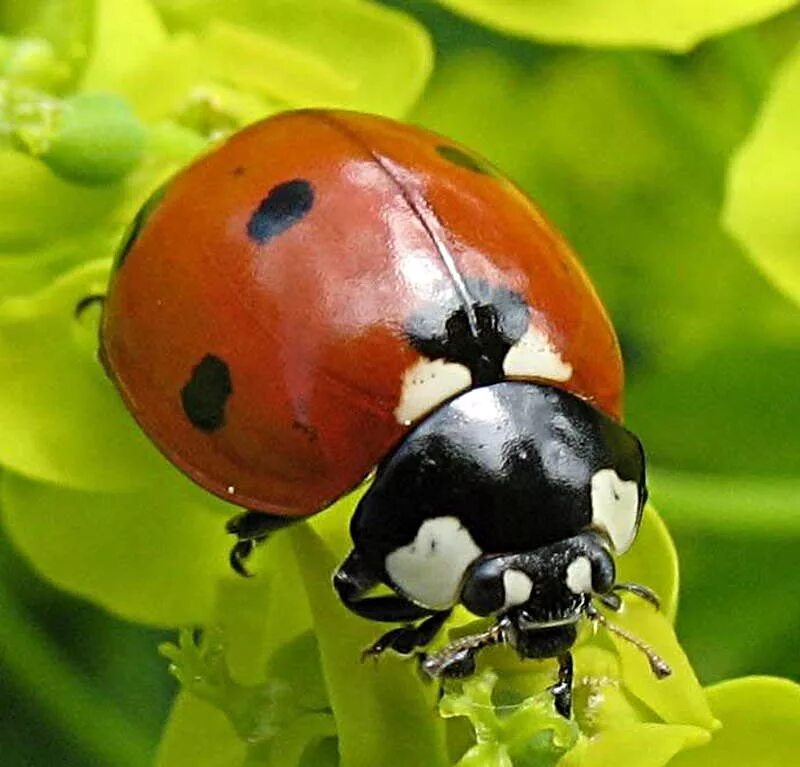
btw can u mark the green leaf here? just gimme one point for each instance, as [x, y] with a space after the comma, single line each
[653, 561]
[318, 53]
[367, 702]
[677, 699]
[529, 732]
[126, 34]
[675, 25]
[600, 699]
[151, 557]
[272, 716]
[760, 725]
[64, 24]
[242, 56]
[199, 734]
[645, 744]
[260, 615]
[31, 194]
[60, 418]
[764, 184]
[258, 664]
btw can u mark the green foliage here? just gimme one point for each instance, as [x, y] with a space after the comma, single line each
[529, 733]
[101, 101]
[53, 393]
[763, 184]
[760, 724]
[674, 25]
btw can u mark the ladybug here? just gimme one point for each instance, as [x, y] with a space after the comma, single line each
[331, 295]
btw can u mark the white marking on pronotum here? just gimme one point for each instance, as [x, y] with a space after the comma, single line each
[427, 384]
[517, 586]
[430, 568]
[533, 355]
[579, 576]
[615, 507]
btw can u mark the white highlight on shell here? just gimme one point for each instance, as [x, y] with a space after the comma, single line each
[615, 507]
[517, 586]
[429, 570]
[579, 576]
[428, 383]
[534, 356]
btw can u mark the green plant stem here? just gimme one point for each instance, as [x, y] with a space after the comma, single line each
[101, 730]
[366, 705]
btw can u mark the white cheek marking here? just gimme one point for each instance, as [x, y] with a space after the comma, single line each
[615, 507]
[427, 384]
[579, 576]
[534, 355]
[430, 568]
[517, 586]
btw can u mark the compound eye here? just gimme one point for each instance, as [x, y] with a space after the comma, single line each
[484, 591]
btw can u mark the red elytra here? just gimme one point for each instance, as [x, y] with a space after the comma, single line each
[256, 323]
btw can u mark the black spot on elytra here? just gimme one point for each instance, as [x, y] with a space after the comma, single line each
[443, 330]
[463, 160]
[283, 207]
[135, 227]
[206, 393]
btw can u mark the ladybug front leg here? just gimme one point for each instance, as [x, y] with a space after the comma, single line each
[354, 579]
[406, 639]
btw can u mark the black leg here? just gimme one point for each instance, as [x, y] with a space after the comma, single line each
[250, 529]
[87, 301]
[353, 579]
[562, 689]
[406, 639]
[611, 601]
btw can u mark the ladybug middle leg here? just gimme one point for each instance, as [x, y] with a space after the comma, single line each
[251, 528]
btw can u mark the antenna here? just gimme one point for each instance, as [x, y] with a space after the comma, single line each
[658, 665]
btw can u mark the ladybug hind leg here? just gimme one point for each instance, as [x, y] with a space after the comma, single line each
[251, 528]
